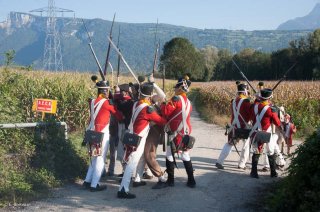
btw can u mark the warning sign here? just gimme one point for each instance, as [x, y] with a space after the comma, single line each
[45, 105]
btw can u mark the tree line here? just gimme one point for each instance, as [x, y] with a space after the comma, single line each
[180, 57]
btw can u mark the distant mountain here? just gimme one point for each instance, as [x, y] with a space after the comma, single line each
[25, 33]
[308, 22]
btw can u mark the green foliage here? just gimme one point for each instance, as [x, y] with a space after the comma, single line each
[137, 41]
[35, 160]
[180, 57]
[300, 190]
[9, 55]
[305, 114]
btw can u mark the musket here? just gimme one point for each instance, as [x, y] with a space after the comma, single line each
[163, 85]
[243, 76]
[93, 53]
[157, 50]
[155, 58]
[119, 59]
[163, 76]
[284, 76]
[109, 47]
[123, 60]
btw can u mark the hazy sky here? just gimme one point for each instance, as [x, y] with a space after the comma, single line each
[209, 14]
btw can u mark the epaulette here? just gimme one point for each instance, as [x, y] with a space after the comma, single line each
[175, 99]
[111, 102]
[247, 100]
[150, 109]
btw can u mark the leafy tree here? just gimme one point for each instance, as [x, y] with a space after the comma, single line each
[211, 58]
[223, 69]
[9, 55]
[180, 57]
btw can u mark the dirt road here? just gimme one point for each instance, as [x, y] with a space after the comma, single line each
[230, 189]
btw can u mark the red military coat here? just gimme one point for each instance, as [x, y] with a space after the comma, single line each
[244, 110]
[268, 118]
[146, 115]
[103, 116]
[171, 109]
[290, 129]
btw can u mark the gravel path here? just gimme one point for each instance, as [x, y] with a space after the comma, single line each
[230, 189]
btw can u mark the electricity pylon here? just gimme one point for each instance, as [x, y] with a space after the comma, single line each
[52, 56]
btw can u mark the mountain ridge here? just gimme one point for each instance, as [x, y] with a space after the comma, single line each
[25, 33]
[309, 22]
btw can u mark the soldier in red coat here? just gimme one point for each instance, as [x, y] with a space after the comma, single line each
[142, 114]
[100, 109]
[263, 115]
[177, 111]
[240, 110]
[290, 129]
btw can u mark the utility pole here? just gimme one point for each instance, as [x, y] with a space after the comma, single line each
[52, 56]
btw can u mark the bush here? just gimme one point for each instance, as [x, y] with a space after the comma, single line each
[34, 160]
[300, 190]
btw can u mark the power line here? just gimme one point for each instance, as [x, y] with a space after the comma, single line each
[52, 56]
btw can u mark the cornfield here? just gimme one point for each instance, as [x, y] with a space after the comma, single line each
[301, 99]
[72, 90]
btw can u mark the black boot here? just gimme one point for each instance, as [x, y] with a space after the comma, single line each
[254, 169]
[170, 171]
[272, 162]
[189, 169]
[122, 194]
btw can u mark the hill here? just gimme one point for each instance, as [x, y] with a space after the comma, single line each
[308, 22]
[25, 33]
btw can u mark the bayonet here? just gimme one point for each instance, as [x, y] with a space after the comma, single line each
[119, 59]
[93, 53]
[243, 76]
[122, 58]
[109, 47]
[284, 76]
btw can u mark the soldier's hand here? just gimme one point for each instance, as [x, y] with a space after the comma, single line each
[151, 78]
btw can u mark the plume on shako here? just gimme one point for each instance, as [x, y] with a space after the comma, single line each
[102, 86]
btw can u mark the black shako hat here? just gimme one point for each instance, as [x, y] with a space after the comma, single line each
[242, 87]
[266, 93]
[124, 87]
[146, 89]
[103, 86]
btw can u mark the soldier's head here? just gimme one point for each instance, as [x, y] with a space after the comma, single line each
[182, 85]
[146, 90]
[103, 89]
[266, 94]
[242, 89]
[124, 89]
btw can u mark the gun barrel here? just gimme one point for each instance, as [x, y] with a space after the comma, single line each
[243, 76]
[93, 52]
[122, 58]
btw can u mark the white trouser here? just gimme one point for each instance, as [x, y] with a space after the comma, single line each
[185, 156]
[97, 163]
[132, 164]
[244, 153]
[140, 169]
[224, 153]
[271, 148]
